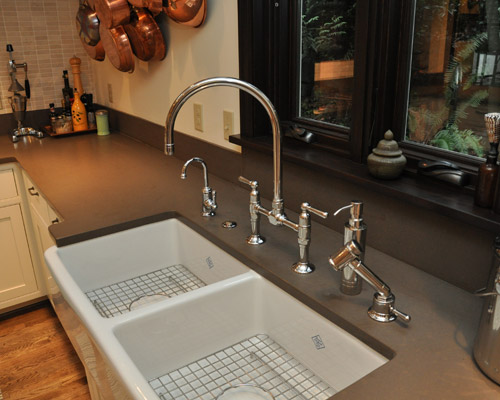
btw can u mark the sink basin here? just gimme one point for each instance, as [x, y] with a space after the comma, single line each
[245, 331]
[129, 269]
[160, 312]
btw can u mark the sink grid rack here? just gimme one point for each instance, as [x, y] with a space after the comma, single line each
[257, 361]
[120, 297]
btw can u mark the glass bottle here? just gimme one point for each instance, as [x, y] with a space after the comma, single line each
[68, 94]
[90, 112]
[486, 182]
[52, 116]
[79, 114]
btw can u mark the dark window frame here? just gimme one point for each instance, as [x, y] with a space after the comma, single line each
[267, 43]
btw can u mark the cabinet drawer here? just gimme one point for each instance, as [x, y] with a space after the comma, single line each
[35, 198]
[8, 188]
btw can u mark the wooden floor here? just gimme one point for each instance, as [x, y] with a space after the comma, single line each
[37, 360]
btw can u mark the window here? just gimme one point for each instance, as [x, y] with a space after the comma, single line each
[326, 57]
[454, 74]
[349, 70]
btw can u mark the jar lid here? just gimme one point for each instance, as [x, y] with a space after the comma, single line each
[387, 147]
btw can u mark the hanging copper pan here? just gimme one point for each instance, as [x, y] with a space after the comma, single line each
[87, 26]
[112, 13]
[186, 12]
[145, 35]
[95, 52]
[117, 47]
[154, 6]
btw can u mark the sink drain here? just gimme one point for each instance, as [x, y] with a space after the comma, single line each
[245, 392]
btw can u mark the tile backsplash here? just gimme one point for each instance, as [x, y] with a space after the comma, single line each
[43, 34]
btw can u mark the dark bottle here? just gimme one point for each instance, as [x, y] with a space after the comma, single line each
[52, 111]
[67, 90]
[90, 111]
[486, 182]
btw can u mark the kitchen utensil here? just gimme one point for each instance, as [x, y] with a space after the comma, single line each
[186, 12]
[117, 47]
[145, 35]
[87, 24]
[154, 6]
[112, 13]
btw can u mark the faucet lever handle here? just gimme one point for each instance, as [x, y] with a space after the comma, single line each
[405, 317]
[307, 208]
[253, 184]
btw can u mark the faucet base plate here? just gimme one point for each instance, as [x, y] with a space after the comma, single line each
[255, 240]
[303, 268]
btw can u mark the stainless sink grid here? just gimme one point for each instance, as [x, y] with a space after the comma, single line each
[258, 361]
[119, 297]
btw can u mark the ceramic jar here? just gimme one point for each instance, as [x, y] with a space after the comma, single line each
[386, 160]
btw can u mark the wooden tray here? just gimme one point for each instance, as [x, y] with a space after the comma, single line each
[50, 132]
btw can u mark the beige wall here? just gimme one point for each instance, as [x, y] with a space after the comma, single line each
[43, 34]
[192, 55]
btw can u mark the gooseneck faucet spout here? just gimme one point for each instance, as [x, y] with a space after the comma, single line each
[277, 212]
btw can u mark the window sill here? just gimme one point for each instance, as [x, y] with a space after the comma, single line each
[442, 198]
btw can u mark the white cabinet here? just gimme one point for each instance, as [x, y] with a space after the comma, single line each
[20, 276]
[16, 268]
[42, 216]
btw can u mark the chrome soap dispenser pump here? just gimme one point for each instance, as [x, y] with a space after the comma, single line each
[354, 229]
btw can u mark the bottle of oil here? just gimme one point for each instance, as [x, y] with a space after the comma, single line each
[79, 114]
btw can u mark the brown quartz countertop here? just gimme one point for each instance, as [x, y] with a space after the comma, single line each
[103, 184]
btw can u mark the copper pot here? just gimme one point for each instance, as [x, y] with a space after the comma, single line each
[95, 52]
[154, 6]
[186, 12]
[112, 13]
[145, 35]
[87, 24]
[117, 47]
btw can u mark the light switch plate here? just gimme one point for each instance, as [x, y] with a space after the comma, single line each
[228, 121]
[198, 116]
[110, 92]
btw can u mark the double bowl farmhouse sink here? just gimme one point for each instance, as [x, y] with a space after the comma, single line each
[160, 312]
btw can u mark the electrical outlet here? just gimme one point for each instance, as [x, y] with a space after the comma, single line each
[198, 116]
[228, 121]
[110, 92]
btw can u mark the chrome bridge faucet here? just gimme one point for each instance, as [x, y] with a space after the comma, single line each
[209, 203]
[303, 228]
[276, 215]
[382, 309]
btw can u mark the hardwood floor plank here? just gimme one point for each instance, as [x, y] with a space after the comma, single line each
[37, 360]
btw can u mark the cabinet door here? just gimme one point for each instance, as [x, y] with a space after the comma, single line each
[44, 241]
[17, 277]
